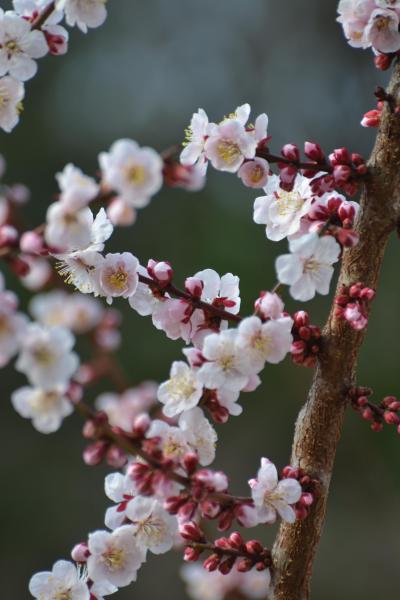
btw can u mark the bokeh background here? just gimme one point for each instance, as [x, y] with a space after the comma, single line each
[141, 76]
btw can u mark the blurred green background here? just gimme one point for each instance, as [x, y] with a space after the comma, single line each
[142, 75]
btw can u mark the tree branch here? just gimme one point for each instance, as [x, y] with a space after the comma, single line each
[319, 423]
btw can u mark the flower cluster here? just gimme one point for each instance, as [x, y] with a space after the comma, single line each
[387, 411]
[352, 304]
[30, 31]
[161, 438]
[371, 23]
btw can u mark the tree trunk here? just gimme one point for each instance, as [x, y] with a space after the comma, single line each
[319, 423]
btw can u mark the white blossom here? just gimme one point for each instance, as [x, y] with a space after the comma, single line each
[155, 529]
[271, 496]
[19, 46]
[173, 441]
[282, 211]
[46, 407]
[70, 231]
[77, 189]
[181, 392]
[12, 93]
[201, 435]
[118, 275]
[12, 328]
[196, 135]
[121, 490]
[308, 269]
[83, 13]
[264, 342]
[62, 582]
[134, 172]
[46, 357]
[225, 366]
[114, 557]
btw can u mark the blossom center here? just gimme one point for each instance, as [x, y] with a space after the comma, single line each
[43, 355]
[181, 386]
[226, 362]
[257, 173]
[289, 202]
[261, 343]
[382, 23]
[311, 266]
[12, 47]
[114, 558]
[42, 402]
[228, 151]
[136, 174]
[152, 527]
[118, 279]
[172, 447]
[63, 595]
[4, 325]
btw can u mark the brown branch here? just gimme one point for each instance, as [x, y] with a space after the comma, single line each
[43, 16]
[195, 302]
[319, 424]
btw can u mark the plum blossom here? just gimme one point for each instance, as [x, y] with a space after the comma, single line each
[77, 189]
[134, 172]
[47, 408]
[114, 557]
[83, 13]
[382, 30]
[201, 435]
[120, 489]
[308, 269]
[271, 496]
[118, 275]
[196, 135]
[264, 342]
[19, 46]
[12, 93]
[56, 35]
[282, 211]
[172, 440]
[46, 357]
[254, 173]
[230, 143]
[371, 23]
[70, 231]
[62, 582]
[12, 325]
[124, 408]
[81, 269]
[225, 366]
[181, 392]
[154, 528]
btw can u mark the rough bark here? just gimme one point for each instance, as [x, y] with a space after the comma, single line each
[319, 423]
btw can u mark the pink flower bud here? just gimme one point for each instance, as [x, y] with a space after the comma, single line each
[80, 553]
[244, 565]
[226, 566]
[194, 286]
[236, 540]
[341, 174]
[141, 424]
[269, 306]
[191, 554]
[342, 156]
[190, 462]
[254, 173]
[212, 562]
[314, 152]
[121, 213]
[94, 453]
[391, 418]
[191, 531]
[291, 152]
[116, 457]
[8, 236]
[31, 242]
